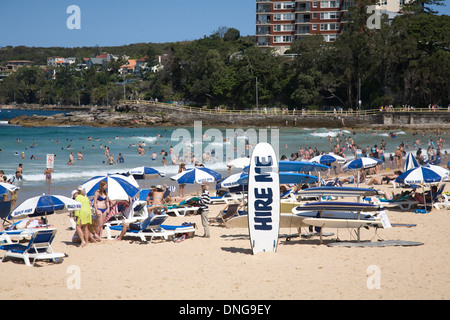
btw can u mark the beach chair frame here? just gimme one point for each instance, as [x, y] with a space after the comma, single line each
[38, 248]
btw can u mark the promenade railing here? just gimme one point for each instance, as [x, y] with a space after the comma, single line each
[280, 111]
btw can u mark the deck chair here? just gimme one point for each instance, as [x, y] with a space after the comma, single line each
[404, 202]
[442, 201]
[5, 210]
[183, 208]
[230, 210]
[38, 248]
[228, 197]
[149, 228]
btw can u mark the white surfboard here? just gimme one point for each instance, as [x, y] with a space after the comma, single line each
[287, 220]
[341, 223]
[263, 199]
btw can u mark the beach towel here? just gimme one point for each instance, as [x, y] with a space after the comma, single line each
[119, 206]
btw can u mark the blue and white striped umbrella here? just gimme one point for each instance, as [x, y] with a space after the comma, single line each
[119, 187]
[361, 163]
[145, 173]
[419, 176]
[42, 205]
[196, 175]
[298, 166]
[328, 159]
[232, 181]
[287, 178]
[444, 173]
[410, 162]
[7, 187]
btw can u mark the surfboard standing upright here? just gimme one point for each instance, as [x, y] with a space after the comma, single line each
[263, 199]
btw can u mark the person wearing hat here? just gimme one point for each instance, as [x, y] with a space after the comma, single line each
[204, 208]
[84, 216]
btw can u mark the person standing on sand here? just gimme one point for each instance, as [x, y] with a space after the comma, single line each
[204, 209]
[101, 205]
[181, 168]
[84, 217]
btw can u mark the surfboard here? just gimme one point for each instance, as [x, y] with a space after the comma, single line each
[341, 223]
[339, 192]
[263, 199]
[287, 220]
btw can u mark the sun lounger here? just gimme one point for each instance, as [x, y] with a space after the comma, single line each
[442, 201]
[149, 228]
[5, 210]
[188, 229]
[404, 204]
[231, 210]
[38, 248]
[183, 208]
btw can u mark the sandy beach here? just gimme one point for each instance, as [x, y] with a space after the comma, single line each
[223, 267]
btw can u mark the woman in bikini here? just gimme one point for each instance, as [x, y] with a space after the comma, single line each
[181, 168]
[101, 204]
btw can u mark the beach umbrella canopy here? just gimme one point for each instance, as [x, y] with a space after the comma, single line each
[119, 187]
[7, 187]
[302, 166]
[444, 173]
[45, 204]
[145, 173]
[286, 178]
[232, 180]
[296, 166]
[410, 162]
[196, 175]
[419, 175]
[361, 163]
[239, 163]
[328, 159]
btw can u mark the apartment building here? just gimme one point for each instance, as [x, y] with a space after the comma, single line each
[280, 22]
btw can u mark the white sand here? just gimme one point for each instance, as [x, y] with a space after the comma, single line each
[223, 266]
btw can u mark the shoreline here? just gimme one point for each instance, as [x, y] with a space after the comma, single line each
[145, 115]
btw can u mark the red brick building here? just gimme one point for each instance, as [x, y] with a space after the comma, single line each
[280, 22]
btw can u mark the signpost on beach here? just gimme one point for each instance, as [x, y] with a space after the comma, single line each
[49, 169]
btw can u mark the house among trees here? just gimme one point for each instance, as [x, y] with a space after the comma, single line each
[60, 61]
[134, 66]
[14, 65]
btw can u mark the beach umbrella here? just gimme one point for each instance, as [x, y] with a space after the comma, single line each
[196, 175]
[7, 187]
[361, 163]
[239, 163]
[145, 173]
[43, 205]
[444, 173]
[119, 187]
[328, 159]
[286, 178]
[419, 176]
[410, 162]
[298, 166]
[302, 166]
[232, 180]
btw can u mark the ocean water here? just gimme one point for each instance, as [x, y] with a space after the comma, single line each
[37, 142]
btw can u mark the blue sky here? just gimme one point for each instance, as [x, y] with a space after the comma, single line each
[117, 22]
